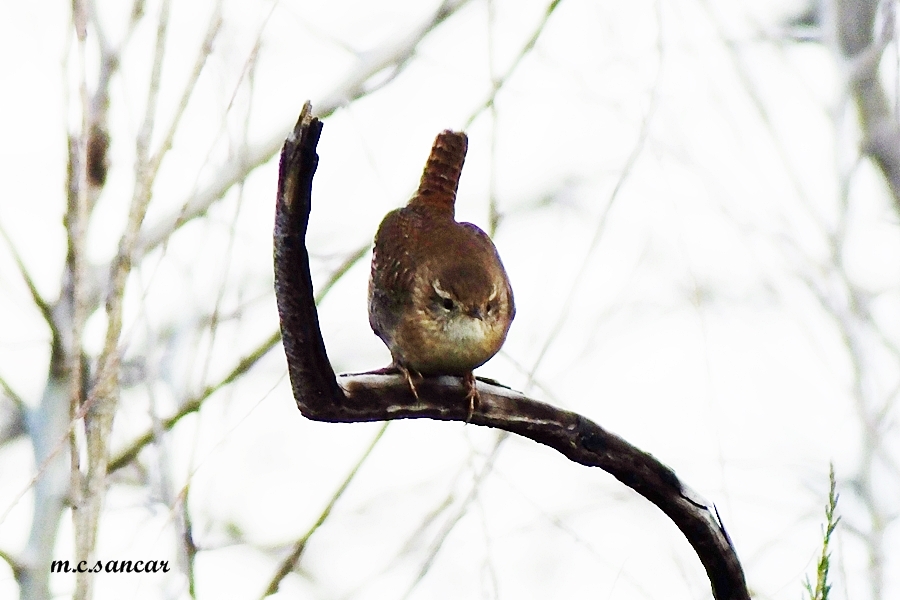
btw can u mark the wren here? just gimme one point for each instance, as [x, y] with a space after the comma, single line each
[439, 297]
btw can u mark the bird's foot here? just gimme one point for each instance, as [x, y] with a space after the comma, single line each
[408, 375]
[471, 395]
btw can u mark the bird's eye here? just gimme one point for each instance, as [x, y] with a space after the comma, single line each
[491, 307]
[448, 303]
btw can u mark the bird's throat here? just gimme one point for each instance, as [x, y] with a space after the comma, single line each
[452, 346]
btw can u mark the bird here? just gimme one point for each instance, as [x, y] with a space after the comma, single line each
[439, 297]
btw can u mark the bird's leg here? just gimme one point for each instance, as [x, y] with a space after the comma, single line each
[471, 394]
[408, 373]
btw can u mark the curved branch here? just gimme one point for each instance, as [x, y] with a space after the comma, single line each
[384, 395]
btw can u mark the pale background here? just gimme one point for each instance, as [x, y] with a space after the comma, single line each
[702, 264]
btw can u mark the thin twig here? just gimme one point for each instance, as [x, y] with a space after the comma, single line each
[16, 425]
[13, 396]
[194, 404]
[743, 72]
[454, 520]
[393, 54]
[498, 83]
[212, 31]
[42, 305]
[290, 562]
[493, 212]
[564, 311]
[245, 364]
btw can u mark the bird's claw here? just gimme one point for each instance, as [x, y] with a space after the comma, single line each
[407, 374]
[471, 395]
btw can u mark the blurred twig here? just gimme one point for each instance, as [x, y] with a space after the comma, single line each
[454, 519]
[498, 82]
[43, 306]
[564, 312]
[245, 364]
[393, 54]
[290, 562]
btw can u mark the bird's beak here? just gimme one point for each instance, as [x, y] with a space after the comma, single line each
[476, 312]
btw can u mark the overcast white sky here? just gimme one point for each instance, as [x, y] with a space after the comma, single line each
[667, 174]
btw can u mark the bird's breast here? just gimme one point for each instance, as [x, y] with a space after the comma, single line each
[452, 346]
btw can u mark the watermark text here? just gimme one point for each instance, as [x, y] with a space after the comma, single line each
[111, 566]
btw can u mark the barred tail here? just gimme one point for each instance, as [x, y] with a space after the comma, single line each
[441, 176]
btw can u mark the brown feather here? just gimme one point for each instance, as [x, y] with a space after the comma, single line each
[439, 296]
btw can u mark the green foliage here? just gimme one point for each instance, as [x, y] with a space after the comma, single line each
[822, 588]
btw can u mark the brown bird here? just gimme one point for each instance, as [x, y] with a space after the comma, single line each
[439, 297]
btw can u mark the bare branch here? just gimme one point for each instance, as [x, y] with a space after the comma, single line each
[104, 396]
[74, 295]
[862, 46]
